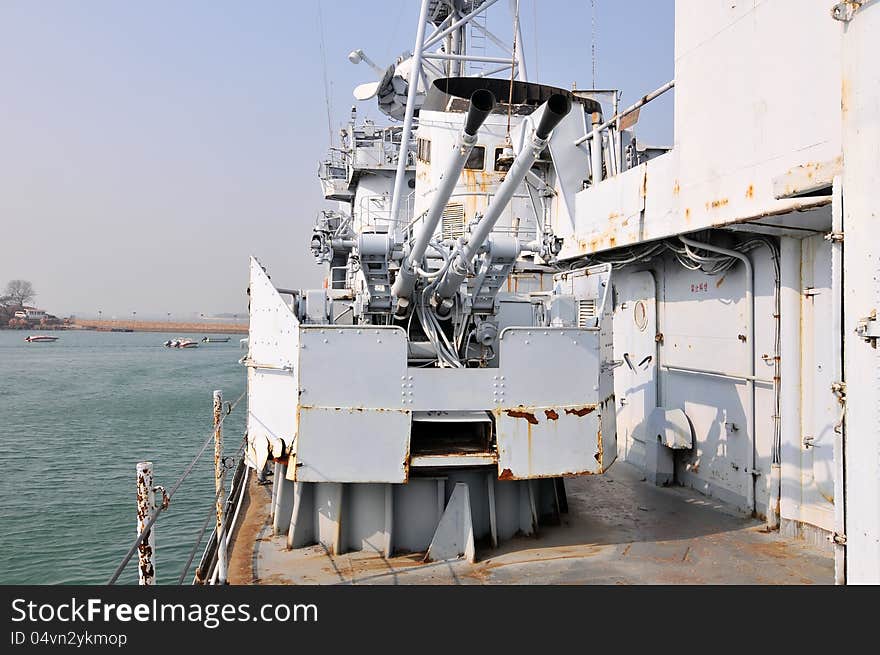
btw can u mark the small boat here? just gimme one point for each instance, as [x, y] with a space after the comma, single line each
[181, 343]
[40, 338]
[215, 339]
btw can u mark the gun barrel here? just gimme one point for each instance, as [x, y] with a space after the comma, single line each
[482, 103]
[555, 109]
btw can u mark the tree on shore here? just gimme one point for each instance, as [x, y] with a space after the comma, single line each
[19, 292]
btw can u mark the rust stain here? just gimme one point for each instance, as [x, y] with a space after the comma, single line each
[676, 188]
[844, 95]
[529, 451]
[521, 413]
[720, 282]
[551, 414]
[750, 192]
[506, 474]
[687, 214]
[716, 204]
[581, 411]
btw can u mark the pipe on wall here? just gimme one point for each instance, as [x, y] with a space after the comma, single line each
[750, 308]
[789, 358]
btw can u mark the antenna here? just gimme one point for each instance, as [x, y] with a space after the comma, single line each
[593, 37]
[326, 82]
[513, 62]
[537, 47]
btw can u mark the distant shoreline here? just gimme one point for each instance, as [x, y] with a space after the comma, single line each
[159, 326]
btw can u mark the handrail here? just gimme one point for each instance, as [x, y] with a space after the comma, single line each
[148, 525]
[633, 107]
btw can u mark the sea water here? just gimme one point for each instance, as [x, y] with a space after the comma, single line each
[76, 416]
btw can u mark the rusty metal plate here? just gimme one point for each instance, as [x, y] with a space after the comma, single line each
[535, 442]
[352, 445]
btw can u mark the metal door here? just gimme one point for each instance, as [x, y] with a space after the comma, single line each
[820, 408]
[635, 386]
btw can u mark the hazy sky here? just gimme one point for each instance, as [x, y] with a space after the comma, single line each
[146, 149]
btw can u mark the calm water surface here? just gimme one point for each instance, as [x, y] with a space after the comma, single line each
[75, 418]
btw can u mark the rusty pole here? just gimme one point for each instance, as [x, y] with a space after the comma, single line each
[146, 505]
[219, 475]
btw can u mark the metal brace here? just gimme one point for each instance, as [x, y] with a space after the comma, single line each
[844, 11]
[839, 390]
[166, 499]
[834, 237]
[838, 539]
[868, 328]
[268, 367]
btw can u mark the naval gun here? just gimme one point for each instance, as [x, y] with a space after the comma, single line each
[482, 103]
[555, 109]
[449, 374]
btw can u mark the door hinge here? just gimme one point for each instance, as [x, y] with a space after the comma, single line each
[844, 11]
[868, 328]
[837, 538]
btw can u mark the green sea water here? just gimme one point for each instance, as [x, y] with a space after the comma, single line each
[75, 418]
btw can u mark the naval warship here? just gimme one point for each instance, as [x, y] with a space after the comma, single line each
[541, 341]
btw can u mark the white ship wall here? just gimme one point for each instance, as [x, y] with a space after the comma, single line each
[701, 319]
[861, 273]
[371, 205]
[757, 109]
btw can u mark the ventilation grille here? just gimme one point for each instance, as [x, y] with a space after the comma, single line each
[453, 221]
[586, 313]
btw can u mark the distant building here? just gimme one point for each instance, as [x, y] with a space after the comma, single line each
[31, 314]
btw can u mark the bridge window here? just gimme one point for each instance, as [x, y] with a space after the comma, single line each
[423, 150]
[476, 159]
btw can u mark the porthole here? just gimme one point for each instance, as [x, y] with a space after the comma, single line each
[640, 315]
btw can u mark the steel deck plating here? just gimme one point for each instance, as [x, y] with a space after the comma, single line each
[619, 529]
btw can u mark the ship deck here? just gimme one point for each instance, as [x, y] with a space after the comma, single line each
[619, 530]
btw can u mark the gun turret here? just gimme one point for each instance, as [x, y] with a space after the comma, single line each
[481, 104]
[555, 109]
